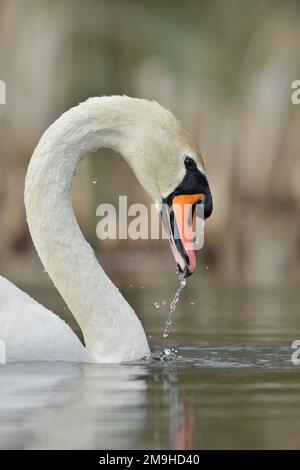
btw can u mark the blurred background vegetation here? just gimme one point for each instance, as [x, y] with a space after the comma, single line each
[225, 68]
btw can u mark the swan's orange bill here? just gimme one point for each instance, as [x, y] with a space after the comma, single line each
[183, 242]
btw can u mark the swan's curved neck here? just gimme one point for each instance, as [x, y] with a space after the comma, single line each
[111, 329]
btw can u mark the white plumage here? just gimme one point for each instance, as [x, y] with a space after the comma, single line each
[32, 332]
[154, 144]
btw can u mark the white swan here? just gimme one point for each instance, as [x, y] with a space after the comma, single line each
[167, 164]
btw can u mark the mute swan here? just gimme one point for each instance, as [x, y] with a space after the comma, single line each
[167, 164]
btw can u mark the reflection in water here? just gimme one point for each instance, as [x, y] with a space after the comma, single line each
[225, 397]
[213, 397]
[26, 390]
[61, 406]
[181, 422]
[228, 383]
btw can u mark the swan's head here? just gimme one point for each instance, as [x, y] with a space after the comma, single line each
[169, 166]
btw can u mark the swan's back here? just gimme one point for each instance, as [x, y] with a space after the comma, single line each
[33, 333]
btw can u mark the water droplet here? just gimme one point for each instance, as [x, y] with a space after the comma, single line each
[206, 267]
[157, 305]
[192, 303]
[173, 304]
[95, 181]
[130, 285]
[43, 271]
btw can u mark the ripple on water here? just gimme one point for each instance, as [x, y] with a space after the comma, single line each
[275, 357]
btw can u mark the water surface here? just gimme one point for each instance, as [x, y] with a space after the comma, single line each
[231, 383]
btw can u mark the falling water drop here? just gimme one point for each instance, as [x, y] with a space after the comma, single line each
[95, 181]
[173, 304]
[157, 305]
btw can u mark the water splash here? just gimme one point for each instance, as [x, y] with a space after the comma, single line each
[167, 355]
[173, 304]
